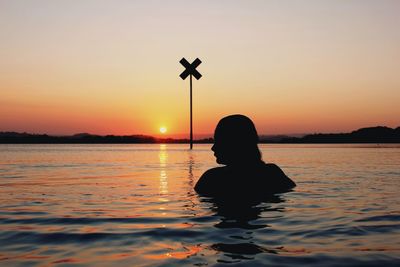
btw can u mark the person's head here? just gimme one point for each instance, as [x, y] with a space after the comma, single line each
[235, 141]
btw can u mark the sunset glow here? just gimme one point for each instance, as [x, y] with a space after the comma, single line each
[163, 130]
[106, 68]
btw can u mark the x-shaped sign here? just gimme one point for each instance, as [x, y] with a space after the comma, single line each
[190, 68]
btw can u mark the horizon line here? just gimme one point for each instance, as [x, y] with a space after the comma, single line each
[203, 135]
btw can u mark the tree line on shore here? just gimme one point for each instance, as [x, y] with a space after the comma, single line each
[379, 134]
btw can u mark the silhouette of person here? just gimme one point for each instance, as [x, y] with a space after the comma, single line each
[245, 173]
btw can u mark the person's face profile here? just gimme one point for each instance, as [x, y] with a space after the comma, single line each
[218, 153]
[222, 150]
[234, 140]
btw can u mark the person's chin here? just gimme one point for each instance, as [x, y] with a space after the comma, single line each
[219, 160]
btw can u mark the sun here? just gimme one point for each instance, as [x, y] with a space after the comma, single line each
[163, 130]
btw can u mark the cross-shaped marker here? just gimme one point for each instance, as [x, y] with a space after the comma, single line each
[190, 71]
[190, 68]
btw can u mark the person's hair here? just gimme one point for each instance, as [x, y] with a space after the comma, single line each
[239, 132]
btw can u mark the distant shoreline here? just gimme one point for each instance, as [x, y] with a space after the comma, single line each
[371, 135]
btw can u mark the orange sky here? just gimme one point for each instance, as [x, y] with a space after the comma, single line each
[113, 67]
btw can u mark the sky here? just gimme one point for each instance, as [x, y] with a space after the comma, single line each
[112, 67]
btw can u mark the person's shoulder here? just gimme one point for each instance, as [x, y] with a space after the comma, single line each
[209, 179]
[212, 174]
[274, 171]
[272, 167]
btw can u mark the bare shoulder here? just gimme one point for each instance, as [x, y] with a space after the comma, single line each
[276, 172]
[214, 171]
[272, 167]
[209, 179]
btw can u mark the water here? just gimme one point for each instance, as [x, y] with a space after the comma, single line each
[134, 205]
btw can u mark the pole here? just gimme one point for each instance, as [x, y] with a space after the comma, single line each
[191, 115]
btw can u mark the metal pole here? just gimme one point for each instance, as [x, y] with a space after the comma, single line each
[191, 115]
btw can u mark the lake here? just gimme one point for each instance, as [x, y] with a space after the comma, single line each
[134, 205]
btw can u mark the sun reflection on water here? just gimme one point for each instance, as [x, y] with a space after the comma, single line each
[163, 156]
